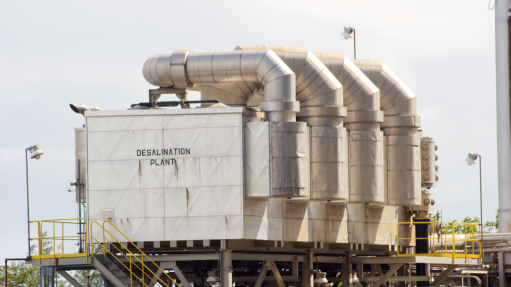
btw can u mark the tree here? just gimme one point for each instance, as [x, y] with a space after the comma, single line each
[21, 274]
[460, 228]
[493, 224]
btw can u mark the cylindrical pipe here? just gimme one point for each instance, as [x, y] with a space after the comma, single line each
[503, 118]
[467, 276]
[183, 69]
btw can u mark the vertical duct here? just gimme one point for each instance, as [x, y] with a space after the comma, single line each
[400, 125]
[183, 69]
[362, 100]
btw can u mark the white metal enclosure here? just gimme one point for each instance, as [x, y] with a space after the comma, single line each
[334, 156]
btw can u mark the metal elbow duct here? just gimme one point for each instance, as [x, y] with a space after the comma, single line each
[361, 96]
[397, 101]
[400, 125]
[319, 92]
[184, 68]
[362, 99]
[321, 106]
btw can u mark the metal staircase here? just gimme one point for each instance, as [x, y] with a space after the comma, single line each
[111, 271]
[123, 267]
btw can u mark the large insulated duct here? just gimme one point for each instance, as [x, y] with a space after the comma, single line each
[321, 106]
[184, 68]
[400, 125]
[362, 99]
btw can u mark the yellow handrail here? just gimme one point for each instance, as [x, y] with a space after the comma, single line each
[466, 236]
[130, 254]
[62, 237]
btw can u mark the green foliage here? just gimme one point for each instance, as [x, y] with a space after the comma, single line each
[460, 229]
[490, 225]
[20, 274]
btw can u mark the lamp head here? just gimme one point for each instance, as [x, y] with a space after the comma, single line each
[80, 109]
[320, 278]
[35, 152]
[348, 33]
[471, 159]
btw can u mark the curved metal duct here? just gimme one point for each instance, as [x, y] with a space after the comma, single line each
[397, 101]
[183, 69]
[320, 94]
[362, 99]
[321, 106]
[399, 104]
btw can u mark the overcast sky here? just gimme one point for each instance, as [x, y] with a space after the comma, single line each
[53, 53]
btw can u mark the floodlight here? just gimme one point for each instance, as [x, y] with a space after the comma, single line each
[471, 159]
[348, 33]
[35, 152]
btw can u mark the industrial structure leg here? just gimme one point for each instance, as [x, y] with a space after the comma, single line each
[262, 273]
[346, 271]
[269, 264]
[401, 272]
[307, 267]
[421, 231]
[276, 274]
[226, 268]
[502, 275]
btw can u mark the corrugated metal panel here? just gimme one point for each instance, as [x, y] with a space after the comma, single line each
[329, 163]
[257, 159]
[289, 162]
[168, 177]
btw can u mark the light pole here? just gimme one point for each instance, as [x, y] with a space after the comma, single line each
[349, 33]
[36, 153]
[471, 159]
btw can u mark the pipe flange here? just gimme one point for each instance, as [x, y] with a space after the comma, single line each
[322, 111]
[178, 68]
[280, 106]
[364, 116]
[168, 70]
[401, 121]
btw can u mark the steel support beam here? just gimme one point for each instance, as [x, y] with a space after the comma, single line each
[156, 276]
[346, 273]
[384, 278]
[262, 273]
[173, 266]
[307, 268]
[444, 275]
[391, 278]
[70, 279]
[226, 267]
[276, 273]
[502, 274]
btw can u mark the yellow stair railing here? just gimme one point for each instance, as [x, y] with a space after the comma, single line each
[58, 226]
[439, 241]
[136, 261]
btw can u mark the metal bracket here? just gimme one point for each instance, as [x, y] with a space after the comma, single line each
[155, 94]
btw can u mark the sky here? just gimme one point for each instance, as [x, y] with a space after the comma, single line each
[53, 53]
